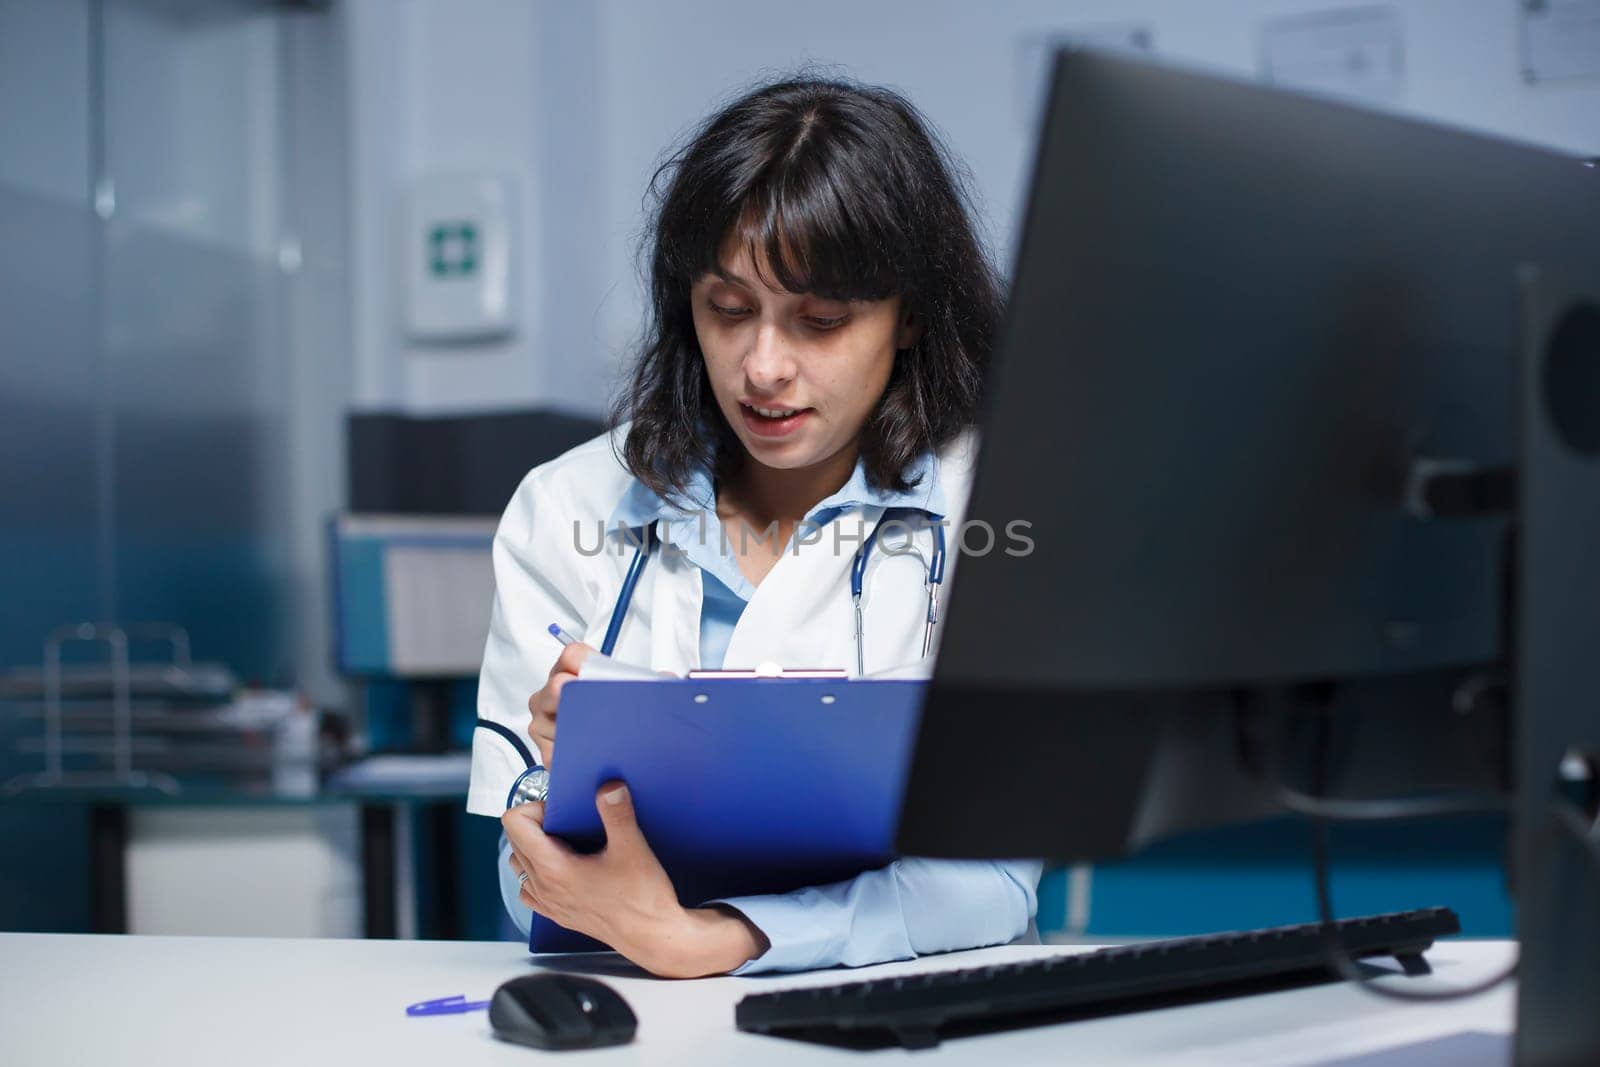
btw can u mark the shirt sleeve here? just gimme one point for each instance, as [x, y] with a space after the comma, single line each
[511, 892]
[536, 583]
[907, 909]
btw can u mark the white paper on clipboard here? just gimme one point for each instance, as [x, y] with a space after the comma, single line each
[601, 668]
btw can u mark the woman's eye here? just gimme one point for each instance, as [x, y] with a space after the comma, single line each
[728, 312]
[827, 323]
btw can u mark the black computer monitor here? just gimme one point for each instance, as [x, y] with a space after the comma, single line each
[1272, 384]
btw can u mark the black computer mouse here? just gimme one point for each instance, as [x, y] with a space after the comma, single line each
[555, 1011]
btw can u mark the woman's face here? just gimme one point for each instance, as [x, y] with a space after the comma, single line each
[795, 375]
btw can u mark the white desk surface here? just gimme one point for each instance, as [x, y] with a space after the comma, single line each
[97, 1000]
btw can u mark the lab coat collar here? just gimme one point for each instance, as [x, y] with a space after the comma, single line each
[640, 505]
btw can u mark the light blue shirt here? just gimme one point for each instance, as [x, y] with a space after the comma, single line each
[699, 532]
[908, 908]
[720, 609]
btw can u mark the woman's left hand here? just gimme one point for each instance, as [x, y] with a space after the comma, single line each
[622, 896]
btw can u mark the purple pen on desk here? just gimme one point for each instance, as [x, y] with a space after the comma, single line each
[561, 635]
[456, 1005]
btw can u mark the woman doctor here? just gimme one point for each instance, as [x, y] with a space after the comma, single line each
[821, 311]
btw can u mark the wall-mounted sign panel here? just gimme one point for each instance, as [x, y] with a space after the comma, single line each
[1560, 40]
[458, 240]
[1355, 52]
[1036, 52]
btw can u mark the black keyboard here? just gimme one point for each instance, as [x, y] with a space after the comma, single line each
[917, 1010]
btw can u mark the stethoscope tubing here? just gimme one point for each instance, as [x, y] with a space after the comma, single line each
[641, 556]
[858, 575]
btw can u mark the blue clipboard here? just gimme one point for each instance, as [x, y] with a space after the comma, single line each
[741, 787]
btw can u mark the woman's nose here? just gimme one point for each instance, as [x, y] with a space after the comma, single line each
[770, 362]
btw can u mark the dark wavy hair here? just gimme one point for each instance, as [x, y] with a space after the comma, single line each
[845, 193]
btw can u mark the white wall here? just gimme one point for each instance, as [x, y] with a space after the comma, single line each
[581, 100]
[441, 87]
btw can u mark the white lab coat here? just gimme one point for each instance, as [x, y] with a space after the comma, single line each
[800, 615]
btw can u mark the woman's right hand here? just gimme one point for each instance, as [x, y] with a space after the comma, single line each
[542, 705]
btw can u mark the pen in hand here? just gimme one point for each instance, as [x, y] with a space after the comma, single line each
[542, 705]
[611, 669]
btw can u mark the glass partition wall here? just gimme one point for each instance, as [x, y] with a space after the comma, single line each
[172, 325]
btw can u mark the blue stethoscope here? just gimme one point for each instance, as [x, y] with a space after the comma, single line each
[858, 574]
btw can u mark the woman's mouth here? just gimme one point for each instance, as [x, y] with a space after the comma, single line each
[773, 422]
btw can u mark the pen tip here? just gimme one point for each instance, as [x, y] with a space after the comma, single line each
[555, 630]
